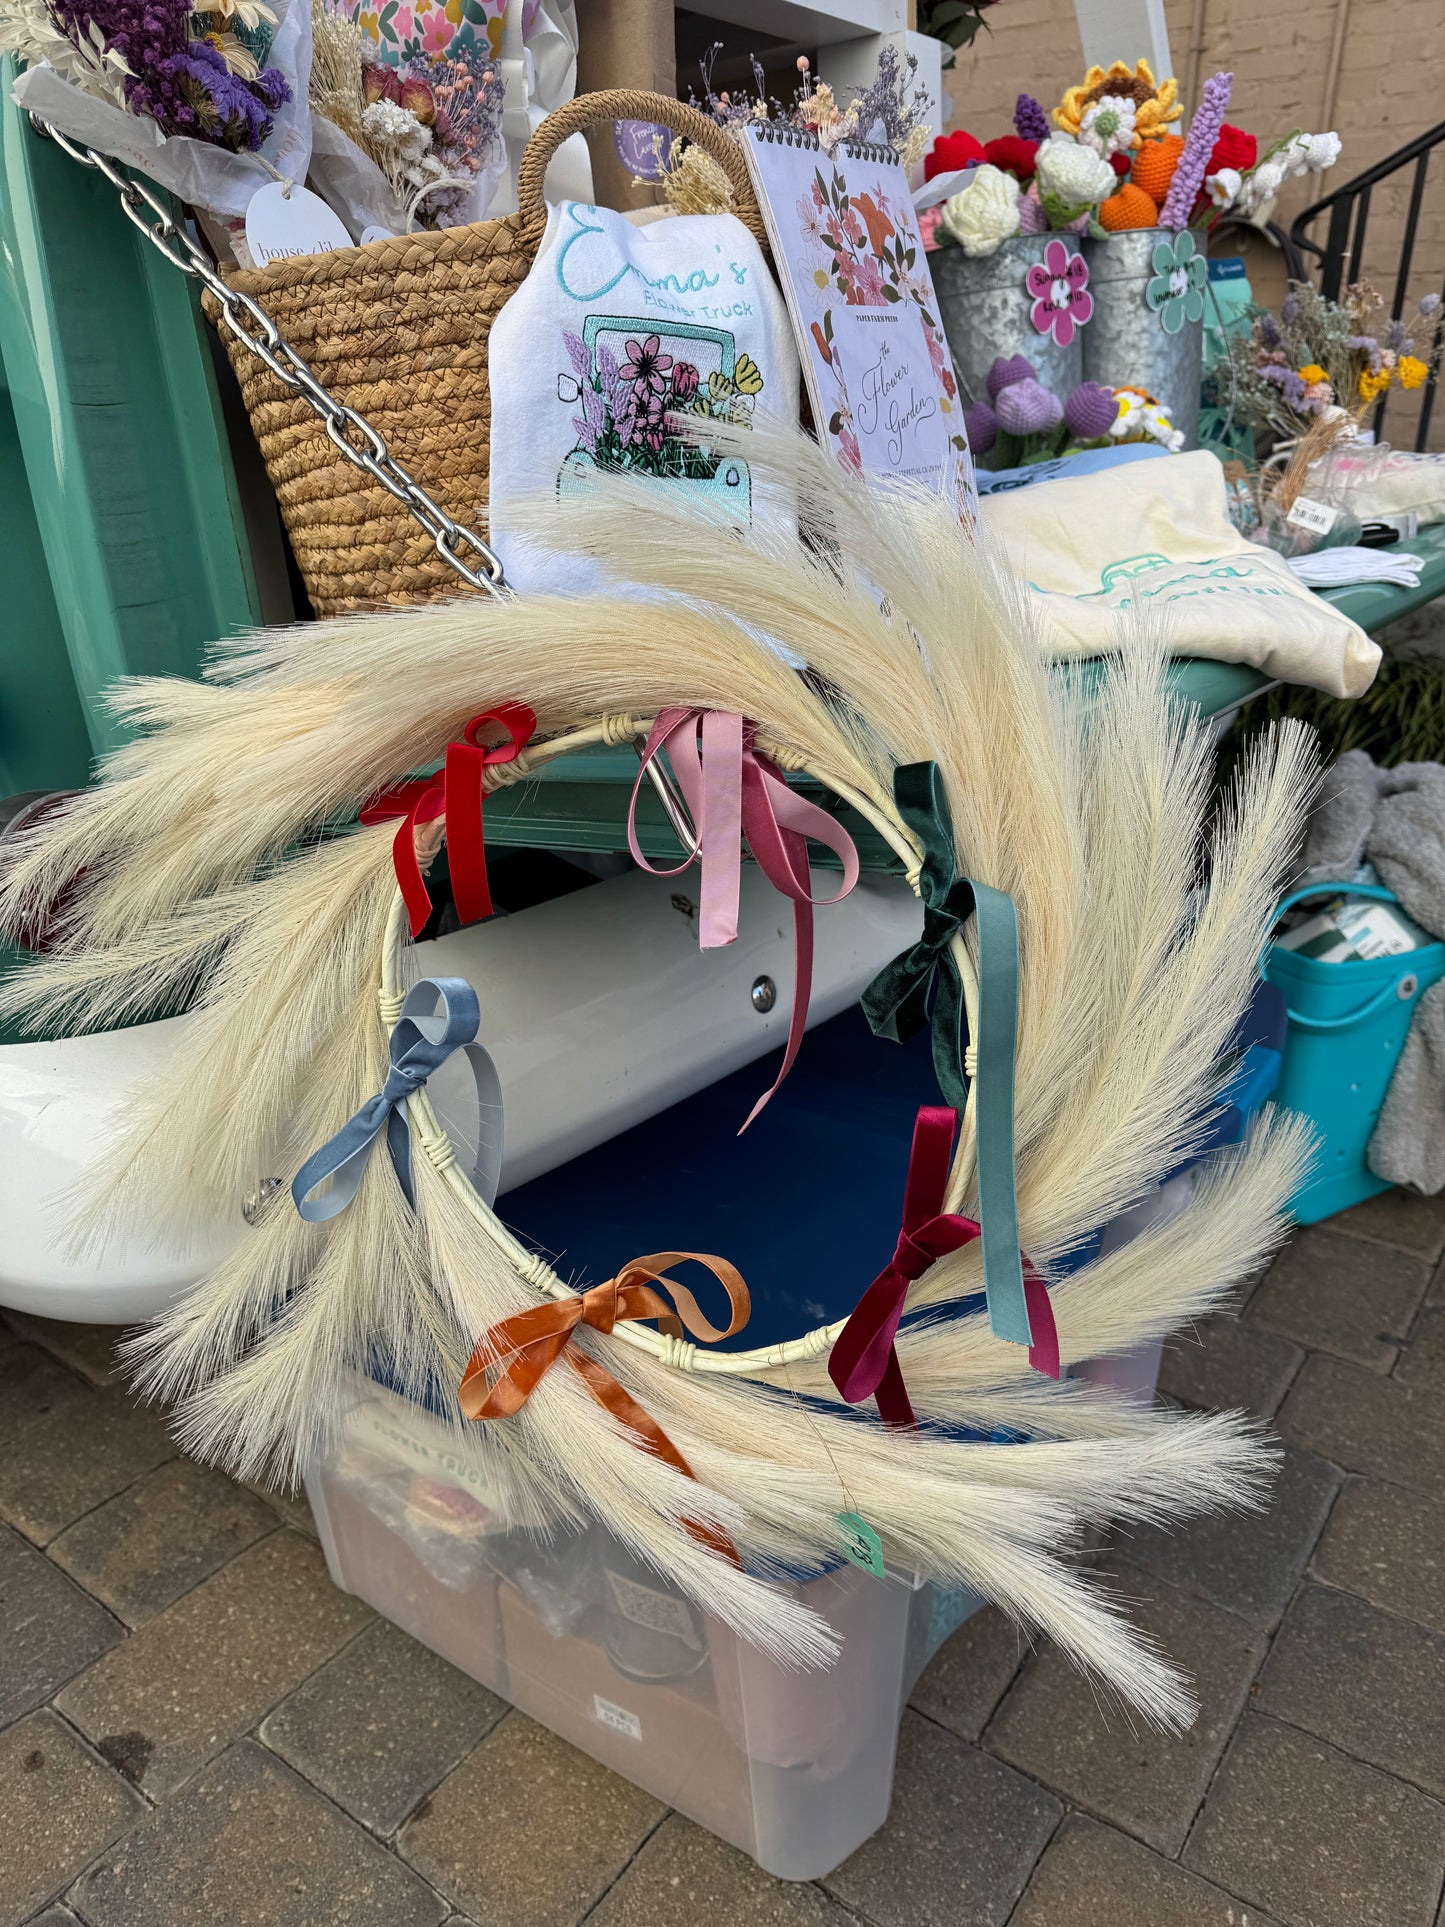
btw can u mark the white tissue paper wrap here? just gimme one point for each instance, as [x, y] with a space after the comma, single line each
[1157, 535]
[197, 173]
[352, 183]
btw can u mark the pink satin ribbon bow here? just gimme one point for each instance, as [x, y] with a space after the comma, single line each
[864, 1359]
[733, 790]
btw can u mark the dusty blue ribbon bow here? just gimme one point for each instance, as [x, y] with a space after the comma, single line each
[421, 1043]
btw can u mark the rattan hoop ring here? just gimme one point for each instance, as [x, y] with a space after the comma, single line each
[430, 1136]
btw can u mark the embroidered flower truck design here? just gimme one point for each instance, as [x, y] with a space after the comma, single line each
[626, 384]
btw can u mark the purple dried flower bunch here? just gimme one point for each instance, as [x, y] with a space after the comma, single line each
[1023, 421]
[182, 83]
[893, 108]
[1193, 163]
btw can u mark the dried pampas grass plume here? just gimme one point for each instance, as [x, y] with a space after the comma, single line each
[203, 862]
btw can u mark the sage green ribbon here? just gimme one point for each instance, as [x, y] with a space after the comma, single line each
[896, 1006]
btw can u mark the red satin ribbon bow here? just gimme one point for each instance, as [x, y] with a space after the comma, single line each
[733, 790]
[864, 1359]
[515, 1355]
[455, 792]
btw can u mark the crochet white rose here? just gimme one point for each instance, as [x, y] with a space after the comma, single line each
[983, 215]
[1075, 175]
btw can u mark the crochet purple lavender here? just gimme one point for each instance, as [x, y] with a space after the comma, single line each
[1030, 121]
[1194, 159]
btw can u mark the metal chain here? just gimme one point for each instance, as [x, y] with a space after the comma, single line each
[352, 434]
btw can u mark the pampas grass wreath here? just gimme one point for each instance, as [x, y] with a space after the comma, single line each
[195, 868]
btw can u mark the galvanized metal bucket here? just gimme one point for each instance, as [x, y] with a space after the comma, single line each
[1126, 344]
[987, 310]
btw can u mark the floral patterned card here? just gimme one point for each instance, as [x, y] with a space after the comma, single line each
[847, 251]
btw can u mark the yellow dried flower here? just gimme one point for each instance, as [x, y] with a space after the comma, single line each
[1373, 386]
[910, 155]
[1312, 371]
[693, 182]
[1411, 370]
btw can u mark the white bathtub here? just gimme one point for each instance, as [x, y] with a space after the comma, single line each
[598, 1009]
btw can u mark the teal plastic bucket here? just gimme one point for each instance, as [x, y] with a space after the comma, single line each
[1347, 1026]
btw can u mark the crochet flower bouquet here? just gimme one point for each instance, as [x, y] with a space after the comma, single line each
[1113, 161]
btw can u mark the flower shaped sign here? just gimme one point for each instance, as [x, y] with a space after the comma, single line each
[1060, 287]
[1175, 290]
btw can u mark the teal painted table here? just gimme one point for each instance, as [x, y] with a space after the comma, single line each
[1375, 604]
[580, 803]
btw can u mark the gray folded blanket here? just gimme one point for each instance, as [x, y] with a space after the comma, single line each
[1395, 818]
[1407, 1145]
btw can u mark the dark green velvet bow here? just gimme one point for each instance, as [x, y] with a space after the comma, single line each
[896, 1002]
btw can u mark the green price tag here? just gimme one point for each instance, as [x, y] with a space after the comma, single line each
[861, 1543]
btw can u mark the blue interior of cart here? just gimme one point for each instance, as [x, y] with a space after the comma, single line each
[805, 1203]
[839, 1131]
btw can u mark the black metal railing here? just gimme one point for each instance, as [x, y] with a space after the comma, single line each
[1340, 257]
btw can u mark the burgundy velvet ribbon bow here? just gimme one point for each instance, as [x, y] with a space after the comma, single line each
[734, 791]
[864, 1359]
[455, 792]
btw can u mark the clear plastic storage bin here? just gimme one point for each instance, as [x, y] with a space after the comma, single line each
[796, 1768]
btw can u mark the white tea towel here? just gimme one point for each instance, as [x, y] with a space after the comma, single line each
[1338, 568]
[1158, 534]
[616, 328]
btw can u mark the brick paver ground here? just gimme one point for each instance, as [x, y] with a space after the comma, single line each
[198, 1730]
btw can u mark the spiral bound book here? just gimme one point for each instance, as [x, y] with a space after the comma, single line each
[851, 261]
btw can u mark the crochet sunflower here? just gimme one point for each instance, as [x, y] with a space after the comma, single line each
[1156, 103]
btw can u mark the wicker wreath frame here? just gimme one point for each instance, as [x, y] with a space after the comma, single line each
[431, 1136]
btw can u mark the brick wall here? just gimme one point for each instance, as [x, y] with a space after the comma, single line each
[1389, 90]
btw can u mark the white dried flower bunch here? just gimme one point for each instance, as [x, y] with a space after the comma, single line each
[29, 32]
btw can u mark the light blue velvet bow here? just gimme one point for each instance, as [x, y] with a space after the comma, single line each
[421, 1043]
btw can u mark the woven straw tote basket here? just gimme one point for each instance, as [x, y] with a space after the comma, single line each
[398, 331]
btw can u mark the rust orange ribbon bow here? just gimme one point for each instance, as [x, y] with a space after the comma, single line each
[516, 1354]
[864, 1358]
[455, 792]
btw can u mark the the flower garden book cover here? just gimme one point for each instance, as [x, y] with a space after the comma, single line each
[848, 253]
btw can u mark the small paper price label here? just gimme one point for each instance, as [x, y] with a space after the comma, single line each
[861, 1543]
[1317, 518]
[281, 224]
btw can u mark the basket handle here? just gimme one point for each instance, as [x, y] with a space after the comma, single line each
[1390, 993]
[1376, 890]
[622, 103]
